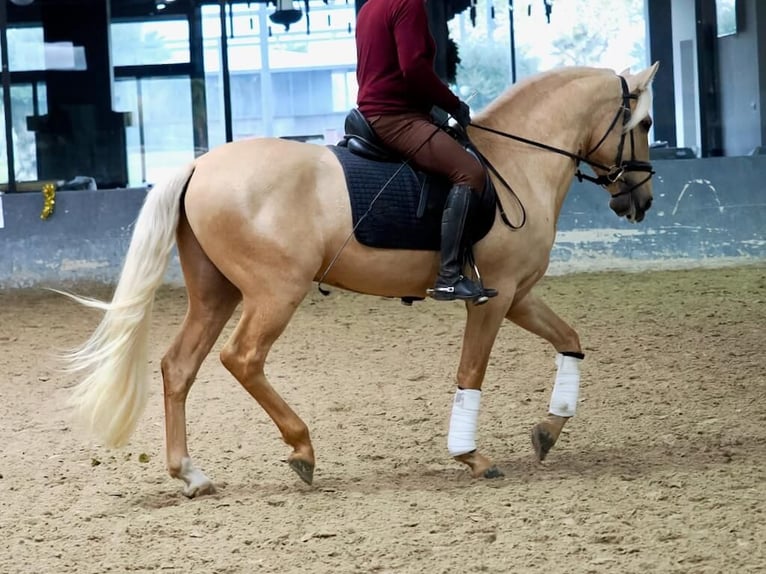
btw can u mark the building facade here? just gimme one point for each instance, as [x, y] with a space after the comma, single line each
[121, 91]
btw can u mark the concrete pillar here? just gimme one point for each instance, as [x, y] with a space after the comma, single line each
[661, 49]
[711, 138]
[759, 21]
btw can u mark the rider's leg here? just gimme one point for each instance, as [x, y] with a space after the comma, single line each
[434, 151]
[451, 284]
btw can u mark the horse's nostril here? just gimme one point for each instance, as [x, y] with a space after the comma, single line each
[648, 204]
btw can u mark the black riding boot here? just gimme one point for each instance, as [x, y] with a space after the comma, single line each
[451, 284]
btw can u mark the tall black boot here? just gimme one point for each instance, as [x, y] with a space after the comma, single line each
[451, 284]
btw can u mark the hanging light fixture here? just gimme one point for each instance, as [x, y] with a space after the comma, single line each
[548, 9]
[286, 13]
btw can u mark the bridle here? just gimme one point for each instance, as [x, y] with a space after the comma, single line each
[620, 167]
[612, 174]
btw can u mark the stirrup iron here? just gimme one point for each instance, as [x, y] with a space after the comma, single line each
[487, 292]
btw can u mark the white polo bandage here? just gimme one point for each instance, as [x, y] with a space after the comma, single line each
[566, 388]
[462, 424]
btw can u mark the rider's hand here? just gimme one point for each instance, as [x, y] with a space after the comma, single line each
[463, 115]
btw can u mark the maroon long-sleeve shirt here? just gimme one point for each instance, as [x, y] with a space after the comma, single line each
[395, 60]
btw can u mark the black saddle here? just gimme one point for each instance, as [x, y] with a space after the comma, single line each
[362, 140]
[393, 205]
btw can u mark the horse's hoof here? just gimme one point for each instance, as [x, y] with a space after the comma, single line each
[199, 489]
[480, 465]
[542, 441]
[493, 472]
[305, 470]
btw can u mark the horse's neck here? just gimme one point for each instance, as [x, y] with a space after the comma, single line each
[561, 112]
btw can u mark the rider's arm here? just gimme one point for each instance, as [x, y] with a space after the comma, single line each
[415, 50]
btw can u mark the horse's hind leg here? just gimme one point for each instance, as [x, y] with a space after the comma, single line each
[264, 317]
[532, 314]
[212, 300]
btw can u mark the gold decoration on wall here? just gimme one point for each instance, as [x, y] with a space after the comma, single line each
[49, 200]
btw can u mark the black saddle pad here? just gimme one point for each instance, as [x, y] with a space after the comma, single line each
[391, 220]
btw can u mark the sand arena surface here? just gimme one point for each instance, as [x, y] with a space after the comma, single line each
[663, 469]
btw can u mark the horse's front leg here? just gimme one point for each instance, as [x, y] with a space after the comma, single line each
[536, 317]
[481, 329]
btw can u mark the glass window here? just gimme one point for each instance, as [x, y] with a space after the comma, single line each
[246, 108]
[283, 82]
[25, 103]
[159, 137]
[484, 49]
[344, 90]
[26, 49]
[153, 42]
[24, 143]
[578, 34]
[545, 35]
[726, 17]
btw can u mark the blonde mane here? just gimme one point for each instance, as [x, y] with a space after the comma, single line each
[539, 84]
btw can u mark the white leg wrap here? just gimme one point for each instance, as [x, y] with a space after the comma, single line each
[462, 425]
[567, 386]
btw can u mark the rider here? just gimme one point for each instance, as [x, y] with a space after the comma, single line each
[397, 89]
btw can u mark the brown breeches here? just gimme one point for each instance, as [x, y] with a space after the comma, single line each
[428, 148]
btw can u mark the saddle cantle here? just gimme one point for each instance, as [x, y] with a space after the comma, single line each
[407, 213]
[362, 140]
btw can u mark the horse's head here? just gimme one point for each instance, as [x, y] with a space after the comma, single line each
[620, 157]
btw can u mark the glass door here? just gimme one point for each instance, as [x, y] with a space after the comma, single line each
[159, 137]
[153, 85]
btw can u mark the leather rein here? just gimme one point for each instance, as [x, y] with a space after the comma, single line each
[613, 173]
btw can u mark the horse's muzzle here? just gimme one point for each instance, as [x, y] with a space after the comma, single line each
[632, 206]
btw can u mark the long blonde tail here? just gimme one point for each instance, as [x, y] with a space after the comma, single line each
[111, 398]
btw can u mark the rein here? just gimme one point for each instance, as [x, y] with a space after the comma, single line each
[614, 173]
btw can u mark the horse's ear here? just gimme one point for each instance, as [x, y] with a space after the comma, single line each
[643, 79]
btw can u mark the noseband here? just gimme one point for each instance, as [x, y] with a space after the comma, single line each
[614, 173]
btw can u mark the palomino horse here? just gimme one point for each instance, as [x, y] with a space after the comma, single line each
[258, 221]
